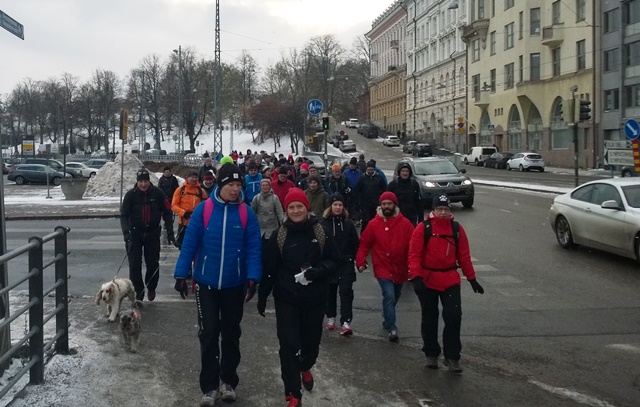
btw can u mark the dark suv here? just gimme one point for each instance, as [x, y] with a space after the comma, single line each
[422, 150]
[55, 164]
[437, 175]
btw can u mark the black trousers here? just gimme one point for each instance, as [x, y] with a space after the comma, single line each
[219, 317]
[344, 286]
[149, 245]
[181, 231]
[452, 316]
[299, 333]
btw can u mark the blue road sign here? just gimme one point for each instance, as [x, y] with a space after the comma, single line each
[632, 129]
[314, 106]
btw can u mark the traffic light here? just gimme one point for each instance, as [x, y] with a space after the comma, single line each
[585, 110]
[325, 123]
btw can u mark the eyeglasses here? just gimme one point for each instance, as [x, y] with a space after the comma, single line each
[443, 209]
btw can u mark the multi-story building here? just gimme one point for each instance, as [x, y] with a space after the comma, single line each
[524, 59]
[387, 84]
[436, 72]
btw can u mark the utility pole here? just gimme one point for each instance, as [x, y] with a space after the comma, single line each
[180, 138]
[217, 72]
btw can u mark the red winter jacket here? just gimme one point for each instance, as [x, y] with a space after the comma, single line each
[440, 253]
[281, 189]
[388, 239]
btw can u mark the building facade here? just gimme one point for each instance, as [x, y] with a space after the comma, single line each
[525, 60]
[436, 72]
[388, 54]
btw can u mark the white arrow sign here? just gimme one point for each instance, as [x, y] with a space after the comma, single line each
[632, 129]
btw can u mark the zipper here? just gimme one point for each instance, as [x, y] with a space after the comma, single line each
[204, 263]
[224, 236]
[238, 263]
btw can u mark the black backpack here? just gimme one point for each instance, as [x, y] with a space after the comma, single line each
[455, 227]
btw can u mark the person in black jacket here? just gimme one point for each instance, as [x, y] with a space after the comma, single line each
[335, 221]
[408, 192]
[140, 214]
[168, 183]
[299, 263]
[368, 190]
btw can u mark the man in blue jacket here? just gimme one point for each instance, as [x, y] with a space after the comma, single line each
[252, 183]
[223, 239]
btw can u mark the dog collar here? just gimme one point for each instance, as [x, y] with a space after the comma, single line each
[135, 314]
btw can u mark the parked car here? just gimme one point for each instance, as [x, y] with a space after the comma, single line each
[347, 145]
[87, 172]
[497, 160]
[408, 148]
[422, 150]
[443, 152]
[391, 141]
[602, 214]
[35, 173]
[55, 164]
[96, 163]
[438, 175]
[478, 154]
[526, 162]
[353, 123]
[372, 131]
[5, 169]
[316, 160]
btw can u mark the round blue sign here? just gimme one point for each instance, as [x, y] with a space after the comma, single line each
[314, 106]
[632, 129]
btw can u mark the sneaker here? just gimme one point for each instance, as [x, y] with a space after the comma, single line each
[432, 362]
[307, 379]
[293, 401]
[151, 295]
[346, 329]
[227, 393]
[454, 365]
[209, 399]
[331, 324]
[393, 336]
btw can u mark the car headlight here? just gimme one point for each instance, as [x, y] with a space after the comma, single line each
[467, 182]
[430, 184]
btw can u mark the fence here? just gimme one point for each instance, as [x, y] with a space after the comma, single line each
[37, 347]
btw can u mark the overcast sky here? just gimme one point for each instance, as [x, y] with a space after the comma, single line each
[79, 36]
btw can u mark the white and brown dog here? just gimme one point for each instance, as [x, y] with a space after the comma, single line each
[112, 294]
[130, 328]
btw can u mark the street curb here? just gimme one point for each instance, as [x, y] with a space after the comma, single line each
[63, 216]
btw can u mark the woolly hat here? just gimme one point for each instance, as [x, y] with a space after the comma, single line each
[266, 181]
[353, 161]
[296, 195]
[228, 173]
[336, 198]
[208, 176]
[304, 166]
[441, 200]
[404, 165]
[142, 174]
[336, 167]
[371, 163]
[226, 160]
[388, 196]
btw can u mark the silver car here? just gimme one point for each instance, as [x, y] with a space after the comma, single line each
[603, 215]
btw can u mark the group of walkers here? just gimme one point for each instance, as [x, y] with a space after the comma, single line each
[294, 239]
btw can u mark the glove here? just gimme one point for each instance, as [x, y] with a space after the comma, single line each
[181, 287]
[187, 215]
[418, 284]
[477, 288]
[170, 237]
[262, 306]
[312, 273]
[249, 290]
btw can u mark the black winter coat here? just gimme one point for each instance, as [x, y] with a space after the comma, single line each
[168, 185]
[337, 186]
[347, 241]
[369, 189]
[141, 212]
[408, 193]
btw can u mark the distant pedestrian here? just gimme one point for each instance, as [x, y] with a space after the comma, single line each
[208, 166]
[368, 189]
[208, 183]
[142, 209]
[184, 202]
[168, 182]
[362, 164]
[408, 192]
[252, 182]
[317, 196]
[282, 185]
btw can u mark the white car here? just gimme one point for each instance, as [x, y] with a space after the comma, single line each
[87, 172]
[391, 141]
[526, 162]
[347, 145]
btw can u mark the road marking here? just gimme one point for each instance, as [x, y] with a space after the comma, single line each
[484, 267]
[625, 347]
[520, 292]
[495, 280]
[505, 210]
[572, 394]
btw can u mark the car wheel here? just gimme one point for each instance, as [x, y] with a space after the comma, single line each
[468, 203]
[507, 166]
[541, 169]
[521, 168]
[55, 180]
[476, 162]
[92, 175]
[497, 166]
[626, 173]
[19, 180]
[563, 233]
[484, 164]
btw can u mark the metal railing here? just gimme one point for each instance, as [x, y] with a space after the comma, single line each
[35, 337]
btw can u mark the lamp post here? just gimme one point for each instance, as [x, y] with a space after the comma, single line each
[180, 140]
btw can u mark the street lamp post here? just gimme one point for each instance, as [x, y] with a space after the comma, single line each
[180, 140]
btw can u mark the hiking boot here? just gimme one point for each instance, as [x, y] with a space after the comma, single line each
[151, 295]
[293, 401]
[393, 336]
[454, 366]
[346, 329]
[227, 393]
[307, 379]
[209, 399]
[331, 324]
[432, 362]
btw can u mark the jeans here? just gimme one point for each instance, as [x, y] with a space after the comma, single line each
[390, 296]
[452, 316]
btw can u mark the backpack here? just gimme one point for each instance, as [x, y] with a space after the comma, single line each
[199, 194]
[208, 210]
[318, 231]
[455, 226]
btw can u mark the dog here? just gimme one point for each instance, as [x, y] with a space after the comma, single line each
[130, 328]
[112, 294]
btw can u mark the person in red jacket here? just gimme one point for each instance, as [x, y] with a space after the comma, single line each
[387, 237]
[282, 186]
[433, 269]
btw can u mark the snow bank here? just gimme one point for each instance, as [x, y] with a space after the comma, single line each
[106, 183]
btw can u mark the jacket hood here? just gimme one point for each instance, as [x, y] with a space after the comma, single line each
[407, 166]
[396, 212]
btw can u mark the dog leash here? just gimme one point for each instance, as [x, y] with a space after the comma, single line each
[121, 264]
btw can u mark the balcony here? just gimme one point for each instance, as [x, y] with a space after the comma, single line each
[552, 37]
[394, 44]
[477, 29]
[481, 99]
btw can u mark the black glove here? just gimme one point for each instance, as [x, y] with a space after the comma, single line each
[262, 306]
[418, 284]
[477, 288]
[312, 273]
[181, 287]
[170, 237]
[249, 290]
[187, 215]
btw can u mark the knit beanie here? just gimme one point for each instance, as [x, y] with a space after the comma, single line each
[228, 173]
[208, 176]
[353, 161]
[371, 164]
[390, 196]
[304, 166]
[336, 167]
[265, 181]
[296, 195]
[142, 174]
[336, 198]
[226, 160]
[441, 200]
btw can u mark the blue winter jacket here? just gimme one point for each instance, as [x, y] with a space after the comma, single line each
[352, 177]
[381, 174]
[225, 254]
[251, 187]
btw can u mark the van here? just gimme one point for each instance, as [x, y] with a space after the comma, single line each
[132, 149]
[478, 154]
[353, 123]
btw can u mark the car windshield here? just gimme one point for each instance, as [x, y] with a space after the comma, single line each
[435, 167]
[632, 195]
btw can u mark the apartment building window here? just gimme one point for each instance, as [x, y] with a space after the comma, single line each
[521, 70]
[508, 76]
[476, 50]
[508, 38]
[612, 60]
[611, 99]
[580, 10]
[493, 80]
[480, 9]
[555, 60]
[632, 95]
[555, 12]
[534, 66]
[581, 51]
[508, 4]
[475, 80]
[492, 42]
[632, 51]
[534, 22]
[611, 21]
[520, 25]
[632, 12]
